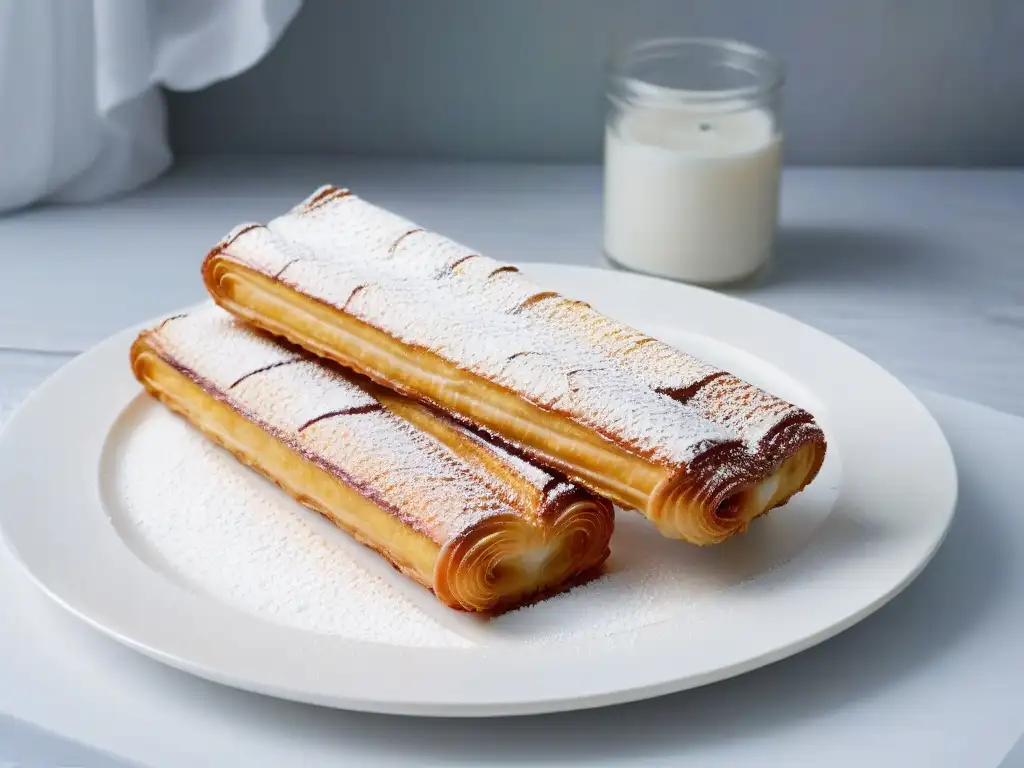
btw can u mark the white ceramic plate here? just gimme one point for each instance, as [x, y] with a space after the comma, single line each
[859, 535]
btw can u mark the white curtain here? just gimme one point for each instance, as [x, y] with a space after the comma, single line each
[81, 113]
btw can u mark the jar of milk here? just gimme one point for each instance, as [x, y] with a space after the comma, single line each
[692, 158]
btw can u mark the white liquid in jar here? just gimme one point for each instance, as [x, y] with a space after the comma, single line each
[691, 195]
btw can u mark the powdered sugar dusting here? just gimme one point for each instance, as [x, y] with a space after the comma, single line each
[749, 411]
[531, 473]
[302, 393]
[267, 252]
[486, 317]
[229, 533]
[197, 341]
[481, 319]
[198, 514]
[401, 468]
[660, 366]
[560, 489]
[428, 486]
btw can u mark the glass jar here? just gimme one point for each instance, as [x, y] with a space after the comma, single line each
[692, 156]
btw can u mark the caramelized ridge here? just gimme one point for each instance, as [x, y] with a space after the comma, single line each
[283, 269]
[323, 196]
[270, 367]
[502, 270]
[459, 262]
[394, 245]
[356, 411]
[536, 298]
[355, 292]
[172, 318]
[238, 232]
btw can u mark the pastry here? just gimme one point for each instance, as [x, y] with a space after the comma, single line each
[698, 451]
[481, 527]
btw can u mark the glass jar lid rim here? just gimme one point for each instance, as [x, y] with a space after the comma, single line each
[765, 66]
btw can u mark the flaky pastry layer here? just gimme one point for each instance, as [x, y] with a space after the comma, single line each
[698, 451]
[482, 528]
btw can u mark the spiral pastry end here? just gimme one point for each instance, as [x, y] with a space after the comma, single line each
[506, 559]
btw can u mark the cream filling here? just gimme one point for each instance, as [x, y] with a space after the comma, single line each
[533, 561]
[788, 479]
[766, 491]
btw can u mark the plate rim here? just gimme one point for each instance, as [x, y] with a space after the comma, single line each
[519, 697]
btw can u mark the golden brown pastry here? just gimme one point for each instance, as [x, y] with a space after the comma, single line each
[482, 528]
[698, 451]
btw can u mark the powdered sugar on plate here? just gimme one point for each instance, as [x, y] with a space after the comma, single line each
[190, 510]
[227, 532]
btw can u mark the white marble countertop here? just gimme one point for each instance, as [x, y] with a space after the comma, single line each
[921, 270]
